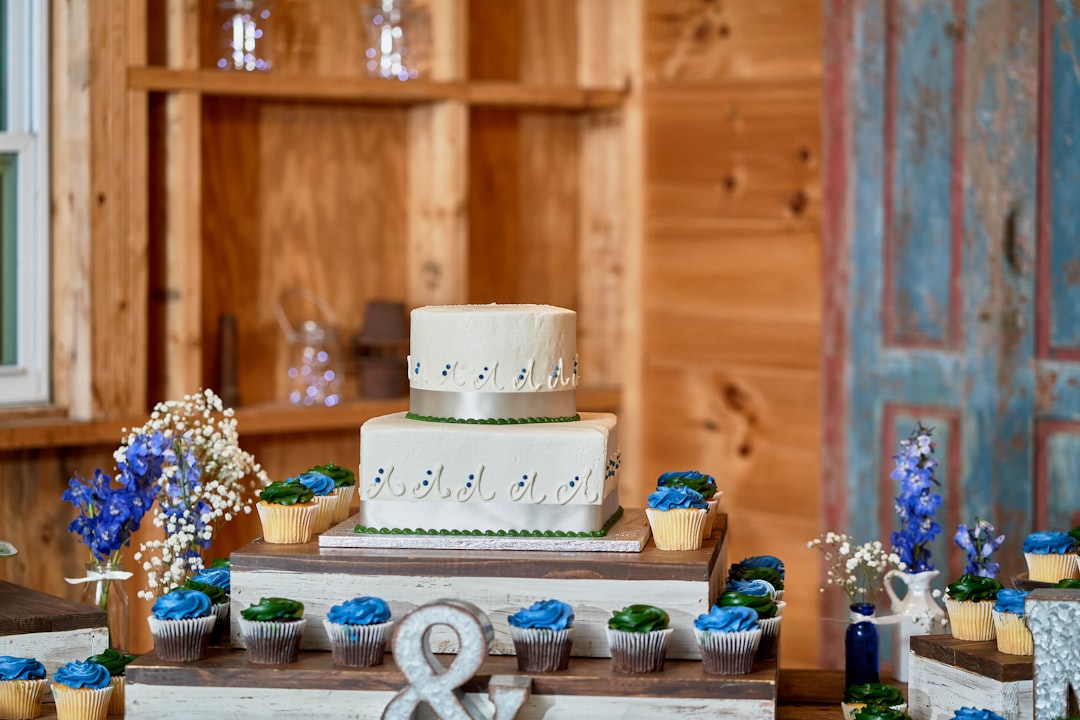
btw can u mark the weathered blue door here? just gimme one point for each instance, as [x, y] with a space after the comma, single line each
[952, 261]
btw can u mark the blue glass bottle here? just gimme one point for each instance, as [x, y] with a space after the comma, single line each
[861, 646]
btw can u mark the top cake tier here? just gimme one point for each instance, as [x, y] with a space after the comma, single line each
[488, 363]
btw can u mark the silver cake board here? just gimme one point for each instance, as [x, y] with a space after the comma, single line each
[628, 534]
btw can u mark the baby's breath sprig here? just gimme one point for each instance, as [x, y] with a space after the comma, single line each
[858, 570]
[211, 481]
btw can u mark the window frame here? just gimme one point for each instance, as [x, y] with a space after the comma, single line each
[28, 381]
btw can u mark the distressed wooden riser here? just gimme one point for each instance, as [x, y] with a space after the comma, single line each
[224, 685]
[499, 582]
[53, 649]
[947, 674]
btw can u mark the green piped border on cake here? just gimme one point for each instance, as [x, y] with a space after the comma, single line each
[365, 530]
[493, 421]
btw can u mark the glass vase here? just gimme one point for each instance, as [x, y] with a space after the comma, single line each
[861, 647]
[106, 591]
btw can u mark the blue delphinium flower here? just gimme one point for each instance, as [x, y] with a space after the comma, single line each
[979, 543]
[917, 502]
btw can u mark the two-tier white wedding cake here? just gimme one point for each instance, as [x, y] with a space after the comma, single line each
[492, 440]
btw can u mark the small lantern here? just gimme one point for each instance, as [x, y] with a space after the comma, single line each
[381, 348]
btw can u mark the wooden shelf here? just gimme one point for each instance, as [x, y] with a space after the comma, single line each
[270, 419]
[278, 86]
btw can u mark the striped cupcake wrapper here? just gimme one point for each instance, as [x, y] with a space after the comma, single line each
[182, 640]
[21, 699]
[729, 653]
[633, 652]
[81, 703]
[357, 645]
[540, 649]
[272, 642]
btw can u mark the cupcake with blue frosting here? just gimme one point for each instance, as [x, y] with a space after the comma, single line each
[116, 663]
[81, 691]
[22, 685]
[542, 636]
[344, 488]
[1051, 556]
[216, 582]
[180, 622]
[357, 630]
[972, 713]
[1010, 623]
[700, 483]
[728, 638]
[758, 598]
[760, 567]
[325, 500]
[677, 517]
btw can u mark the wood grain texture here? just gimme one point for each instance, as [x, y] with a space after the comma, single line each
[936, 689]
[981, 658]
[729, 289]
[23, 610]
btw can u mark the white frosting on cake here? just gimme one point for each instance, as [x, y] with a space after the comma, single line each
[487, 363]
[493, 361]
[448, 476]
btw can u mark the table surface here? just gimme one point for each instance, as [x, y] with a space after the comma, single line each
[804, 695]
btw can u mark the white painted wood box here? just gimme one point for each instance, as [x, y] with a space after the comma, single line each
[947, 674]
[226, 685]
[48, 628]
[500, 582]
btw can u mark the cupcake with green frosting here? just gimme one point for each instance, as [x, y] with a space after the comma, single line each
[116, 663]
[760, 567]
[216, 582]
[637, 637]
[857, 697]
[970, 602]
[287, 513]
[1068, 584]
[769, 612]
[879, 712]
[272, 629]
[344, 488]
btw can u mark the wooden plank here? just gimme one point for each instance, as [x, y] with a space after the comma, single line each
[181, 359]
[24, 610]
[118, 271]
[936, 689]
[981, 658]
[694, 565]
[584, 677]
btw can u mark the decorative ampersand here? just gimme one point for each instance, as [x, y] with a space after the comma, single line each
[437, 686]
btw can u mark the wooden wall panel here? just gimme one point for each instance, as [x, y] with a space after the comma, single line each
[731, 272]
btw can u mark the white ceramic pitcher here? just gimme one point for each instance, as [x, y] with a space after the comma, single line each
[919, 614]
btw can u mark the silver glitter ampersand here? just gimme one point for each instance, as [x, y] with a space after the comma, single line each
[438, 686]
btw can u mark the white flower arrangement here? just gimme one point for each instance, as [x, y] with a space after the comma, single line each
[205, 480]
[858, 570]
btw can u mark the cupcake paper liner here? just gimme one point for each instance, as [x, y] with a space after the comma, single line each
[1051, 567]
[678, 529]
[220, 631]
[971, 620]
[633, 652]
[116, 700]
[325, 506]
[21, 699]
[344, 497]
[287, 524]
[542, 650]
[357, 645]
[81, 703]
[850, 708]
[770, 637]
[181, 640]
[272, 642]
[1013, 635]
[710, 518]
[728, 653]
